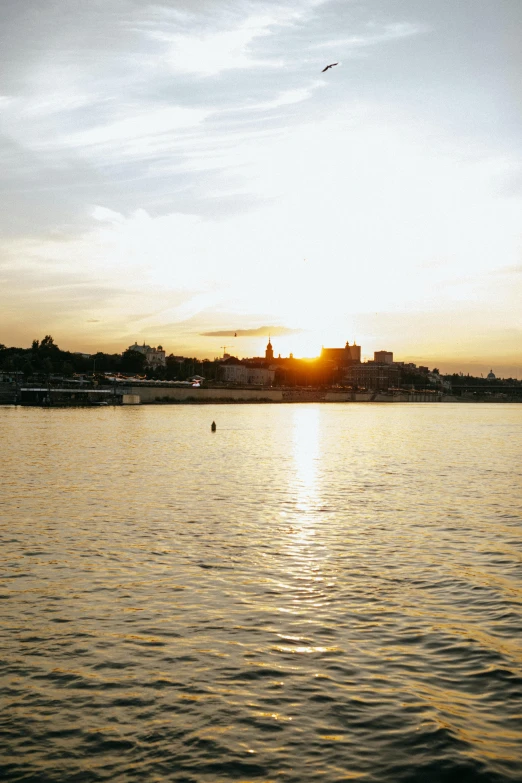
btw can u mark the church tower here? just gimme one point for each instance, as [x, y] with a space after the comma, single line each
[269, 353]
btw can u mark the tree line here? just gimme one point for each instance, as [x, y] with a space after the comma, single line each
[44, 358]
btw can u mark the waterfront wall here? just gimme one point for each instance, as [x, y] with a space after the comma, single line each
[189, 394]
[7, 393]
[380, 397]
[130, 399]
[151, 394]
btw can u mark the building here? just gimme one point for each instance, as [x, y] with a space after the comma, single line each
[343, 357]
[370, 375]
[260, 376]
[269, 353]
[383, 357]
[355, 352]
[155, 357]
[337, 355]
[234, 371]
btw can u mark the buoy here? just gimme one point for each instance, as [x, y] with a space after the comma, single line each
[213, 426]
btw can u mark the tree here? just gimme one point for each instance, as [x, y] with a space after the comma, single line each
[28, 369]
[133, 361]
[47, 348]
[100, 362]
[172, 367]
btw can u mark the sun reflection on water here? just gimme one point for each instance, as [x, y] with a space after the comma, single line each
[301, 547]
[318, 592]
[305, 442]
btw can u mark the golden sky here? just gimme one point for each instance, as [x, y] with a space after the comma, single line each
[176, 171]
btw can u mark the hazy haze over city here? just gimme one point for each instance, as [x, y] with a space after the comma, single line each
[177, 172]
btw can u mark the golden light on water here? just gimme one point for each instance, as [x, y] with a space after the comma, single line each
[311, 580]
[306, 570]
[306, 431]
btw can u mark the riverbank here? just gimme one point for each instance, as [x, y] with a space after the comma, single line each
[288, 396]
[156, 394]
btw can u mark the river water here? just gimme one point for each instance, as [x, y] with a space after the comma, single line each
[311, 593]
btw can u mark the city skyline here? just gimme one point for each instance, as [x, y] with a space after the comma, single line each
[261, 352]
[181, 173]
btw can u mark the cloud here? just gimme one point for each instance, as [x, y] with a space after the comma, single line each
[137, 132]
[116, 103]
[214, 52]
[372, 37]
[188, 309]
[515, 269]
[105, 215]
[284, 98]
[274, 331]
[221, 158]
[225, 41]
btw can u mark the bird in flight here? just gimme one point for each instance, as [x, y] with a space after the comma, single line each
[329, 66]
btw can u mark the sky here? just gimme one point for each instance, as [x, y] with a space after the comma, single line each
[183, 173]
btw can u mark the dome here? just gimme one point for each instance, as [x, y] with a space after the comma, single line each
[491, 375]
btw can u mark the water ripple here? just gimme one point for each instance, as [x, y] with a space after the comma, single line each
[318, 593]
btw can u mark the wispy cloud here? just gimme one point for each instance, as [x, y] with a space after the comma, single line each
[135, 132]
[514, 269]
[185, 311]
[214, 52]
[373, 35]
[260, 331]
[227, 40]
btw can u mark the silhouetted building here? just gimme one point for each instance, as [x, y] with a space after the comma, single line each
[383, 357]
[261, 376]
[269, 353]
[355, 352]
[372, 376]
[343, 357]
[235, 371]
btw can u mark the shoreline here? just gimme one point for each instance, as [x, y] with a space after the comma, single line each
[168, 403]
[157, 395]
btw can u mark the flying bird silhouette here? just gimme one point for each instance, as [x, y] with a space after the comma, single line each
[329, 66]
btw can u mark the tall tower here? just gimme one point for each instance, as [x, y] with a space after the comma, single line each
[269, 353]
[355, 352]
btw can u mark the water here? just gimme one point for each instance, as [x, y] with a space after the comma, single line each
[312, 593]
